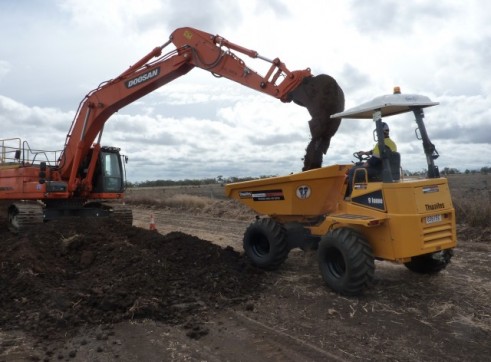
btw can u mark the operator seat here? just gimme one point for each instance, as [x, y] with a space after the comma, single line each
[395, 165]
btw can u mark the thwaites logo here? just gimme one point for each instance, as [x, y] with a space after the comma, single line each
[303, 192]
[142, 78]
[435, 206]
[245, 195]
[266, 195]
[372, 199]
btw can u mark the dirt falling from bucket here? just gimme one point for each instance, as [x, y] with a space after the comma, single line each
[322, 96]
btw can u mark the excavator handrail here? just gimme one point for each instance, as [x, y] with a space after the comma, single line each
[22, 153]
[27, 151]
[5, 150]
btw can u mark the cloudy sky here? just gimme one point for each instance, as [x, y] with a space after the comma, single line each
[53, 52]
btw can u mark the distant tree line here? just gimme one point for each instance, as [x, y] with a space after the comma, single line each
[484, 170]
[454, 171]
[223, 180]
[188, 182]
[450, 171]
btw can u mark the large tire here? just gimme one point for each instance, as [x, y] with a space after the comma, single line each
[430, 263]
[346, 261]
[265, 244]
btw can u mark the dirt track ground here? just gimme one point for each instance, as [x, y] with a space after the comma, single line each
[403, 317]
[76, 293]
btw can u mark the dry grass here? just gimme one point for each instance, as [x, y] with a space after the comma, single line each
[186, 202]
[230, 209]
[471, 196]
[473, 210]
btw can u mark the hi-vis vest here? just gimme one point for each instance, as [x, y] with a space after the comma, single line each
[389, 143]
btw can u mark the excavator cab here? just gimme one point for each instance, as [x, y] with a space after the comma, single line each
[109, 176]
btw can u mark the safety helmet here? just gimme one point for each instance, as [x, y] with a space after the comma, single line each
[385, 127]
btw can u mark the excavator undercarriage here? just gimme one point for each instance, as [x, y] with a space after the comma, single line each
[23, 215]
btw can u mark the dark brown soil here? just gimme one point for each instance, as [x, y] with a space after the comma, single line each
[104, 292]
[67, 275]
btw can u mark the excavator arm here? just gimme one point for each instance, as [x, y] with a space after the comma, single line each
[214, 54]
[194, 48]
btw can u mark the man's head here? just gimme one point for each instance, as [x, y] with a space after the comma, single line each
[385, 127]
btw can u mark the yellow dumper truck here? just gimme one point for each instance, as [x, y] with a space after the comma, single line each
[410, 221]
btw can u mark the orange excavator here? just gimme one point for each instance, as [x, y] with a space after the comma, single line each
[87, 179]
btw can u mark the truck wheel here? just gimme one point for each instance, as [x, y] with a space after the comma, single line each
[265, 244]
[346, 261]
[430, 263]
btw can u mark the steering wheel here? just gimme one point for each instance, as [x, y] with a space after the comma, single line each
[361, 158]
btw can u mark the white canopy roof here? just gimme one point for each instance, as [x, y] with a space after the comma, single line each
[388, 105]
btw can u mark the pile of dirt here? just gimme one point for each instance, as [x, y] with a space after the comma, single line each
[64, 275]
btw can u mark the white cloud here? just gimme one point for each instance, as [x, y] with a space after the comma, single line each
[5, 67]
[199, 126]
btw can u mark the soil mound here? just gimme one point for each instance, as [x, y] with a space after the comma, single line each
[64, 275]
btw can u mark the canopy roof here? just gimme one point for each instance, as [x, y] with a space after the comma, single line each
[388, 105]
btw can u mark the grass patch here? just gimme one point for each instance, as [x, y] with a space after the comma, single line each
[472, 210]
[179, 201]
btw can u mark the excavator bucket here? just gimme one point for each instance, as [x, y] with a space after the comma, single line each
[322, 96]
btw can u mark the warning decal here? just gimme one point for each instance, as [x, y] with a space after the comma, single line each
[266, 195]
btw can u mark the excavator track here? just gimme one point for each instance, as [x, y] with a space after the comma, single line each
[22, 215]
[121, 213]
